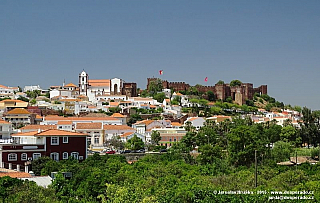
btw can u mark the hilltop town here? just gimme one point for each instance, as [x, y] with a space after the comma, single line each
[226, 123]
[100, 110]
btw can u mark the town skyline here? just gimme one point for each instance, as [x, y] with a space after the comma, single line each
[272, 43]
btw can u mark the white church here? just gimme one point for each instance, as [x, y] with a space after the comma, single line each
[105, 89]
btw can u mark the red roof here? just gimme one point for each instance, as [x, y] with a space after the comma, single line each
[50, 132]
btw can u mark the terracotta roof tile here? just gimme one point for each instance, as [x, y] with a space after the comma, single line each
[31, 133]
[176, 124]
[69, 100]
[15, 174]
[18, 111]
[61, 118]
[193, 118]
[114, 103]
[88, 126]
[70, 85]
[118, 115]
[64, 123]
[50, 132]
[117, 127]
[126, 134]
[95, 83]
[12, 100]
[146, 122]
[36, 127]
[38, 117]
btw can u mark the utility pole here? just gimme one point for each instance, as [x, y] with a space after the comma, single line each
[296, 160]
[256, 170]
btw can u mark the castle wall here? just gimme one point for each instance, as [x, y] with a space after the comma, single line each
[221, 91]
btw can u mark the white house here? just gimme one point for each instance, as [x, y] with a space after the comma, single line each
[60, 92]
[196, 122]
[184, 99]
[31, 88]
[7, 91]
[117, 130]
[5, 130]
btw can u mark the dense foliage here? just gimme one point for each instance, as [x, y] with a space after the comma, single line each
[170, 177]
[225, 164]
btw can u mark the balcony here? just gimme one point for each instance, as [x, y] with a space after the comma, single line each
[6, 141]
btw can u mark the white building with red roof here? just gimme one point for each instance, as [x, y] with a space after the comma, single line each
[53, 120]
[7, 91]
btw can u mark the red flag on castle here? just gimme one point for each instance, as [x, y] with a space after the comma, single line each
[160, 72]
[206, 79]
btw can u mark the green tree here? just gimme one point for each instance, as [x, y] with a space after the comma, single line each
[229, 99]
[115, 109]
[155, 137]
[211, 96]
[235, 83]
[39, 164]
[209, 154]
[135, 143]
[220, 82]
[116, 142]
[242, 142]
[6, 186]
[159, 96]
[215, 110]
[30, 192]
[281, 151]
[177, 100]
[290, 134]
[133, 119]
[155, 86]
[23, 99]
[33, 101]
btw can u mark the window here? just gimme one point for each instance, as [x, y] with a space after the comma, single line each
[65, 139]
[96, 139]
[24, 156]
[75, 155]
[89, 141]
[12, 157]
[36, 156]
[54, 156]
[54, 140]
[65, 155]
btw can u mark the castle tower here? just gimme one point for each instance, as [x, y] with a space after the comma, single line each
[83, 83]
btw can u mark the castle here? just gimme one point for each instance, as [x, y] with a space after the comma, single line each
[239, 94]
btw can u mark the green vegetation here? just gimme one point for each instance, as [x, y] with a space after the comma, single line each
[155, 86]
[134, 143]
[235, 83]
[225, 163]
[23, 99]
[220, 82]
[33, 94]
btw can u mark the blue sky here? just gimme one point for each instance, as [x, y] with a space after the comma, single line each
[263, 42]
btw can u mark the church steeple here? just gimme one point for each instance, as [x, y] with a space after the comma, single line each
[83, 83]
